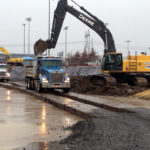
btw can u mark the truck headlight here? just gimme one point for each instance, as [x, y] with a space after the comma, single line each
[44, 80]
[67, 80]
[8, 74]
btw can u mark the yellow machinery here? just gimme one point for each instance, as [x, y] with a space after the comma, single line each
[6, 53]
[137, 63]
[9, 60]
[15, 60]
[135, 70]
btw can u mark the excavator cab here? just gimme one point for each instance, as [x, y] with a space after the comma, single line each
[112, 62]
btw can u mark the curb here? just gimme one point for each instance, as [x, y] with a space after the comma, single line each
[100, 105]
[50, 101]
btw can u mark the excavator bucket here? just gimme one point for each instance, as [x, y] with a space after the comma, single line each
[40, 46]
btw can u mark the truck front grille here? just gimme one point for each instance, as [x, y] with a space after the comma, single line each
[57, 77]
[2, 73]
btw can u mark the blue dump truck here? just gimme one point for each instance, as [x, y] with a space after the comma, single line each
[46, 73]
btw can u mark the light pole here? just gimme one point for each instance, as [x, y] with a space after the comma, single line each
[68, 59]
[24, 37]
[66, 29]
[49, 24]
[28, 20]
[128, 42]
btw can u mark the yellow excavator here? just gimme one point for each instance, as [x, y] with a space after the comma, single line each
[10, 60]
[6, 57]
[135, 70]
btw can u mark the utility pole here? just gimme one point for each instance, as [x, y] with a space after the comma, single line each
[66, 29]
[68, 59]
[92, 45]
[24, 37]
[49, 24]
[128, 42]
[87, 42]
[28, 20]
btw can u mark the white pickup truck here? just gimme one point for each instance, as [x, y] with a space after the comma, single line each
[4, 75]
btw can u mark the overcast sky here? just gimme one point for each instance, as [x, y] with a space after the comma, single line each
[127, 19]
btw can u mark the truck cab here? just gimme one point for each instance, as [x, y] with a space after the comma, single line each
[47, 73]
[4, 75]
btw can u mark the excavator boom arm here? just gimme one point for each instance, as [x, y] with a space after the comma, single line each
[90, 20]
[4, 51]
[98, 26]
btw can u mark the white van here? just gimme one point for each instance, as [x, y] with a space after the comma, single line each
[4, 75]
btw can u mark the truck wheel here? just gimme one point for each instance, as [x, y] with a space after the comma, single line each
[32, 84]
[27, 83]
[39, 87]
[5, 80]
[66, 90]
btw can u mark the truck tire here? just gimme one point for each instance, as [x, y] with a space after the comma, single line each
[32, 84]
[27, 83]
[5, 80]
[66, 90]
[39, 88]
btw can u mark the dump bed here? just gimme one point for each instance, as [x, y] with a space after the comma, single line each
[31, 70]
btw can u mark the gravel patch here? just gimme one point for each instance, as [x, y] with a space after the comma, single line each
[109, 130]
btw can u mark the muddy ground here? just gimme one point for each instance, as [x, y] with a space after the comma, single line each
[107, 131]
[111, 131]
[82, 84]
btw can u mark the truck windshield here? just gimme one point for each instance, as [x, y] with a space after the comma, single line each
[51, 63]
[2, 66]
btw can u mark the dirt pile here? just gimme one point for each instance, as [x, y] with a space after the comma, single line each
[82, 84]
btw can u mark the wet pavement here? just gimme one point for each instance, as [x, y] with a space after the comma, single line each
[141, 99]
[25, 119]
[134, 101]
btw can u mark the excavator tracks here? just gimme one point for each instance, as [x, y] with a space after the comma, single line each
[102, 80]
[141, 81]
